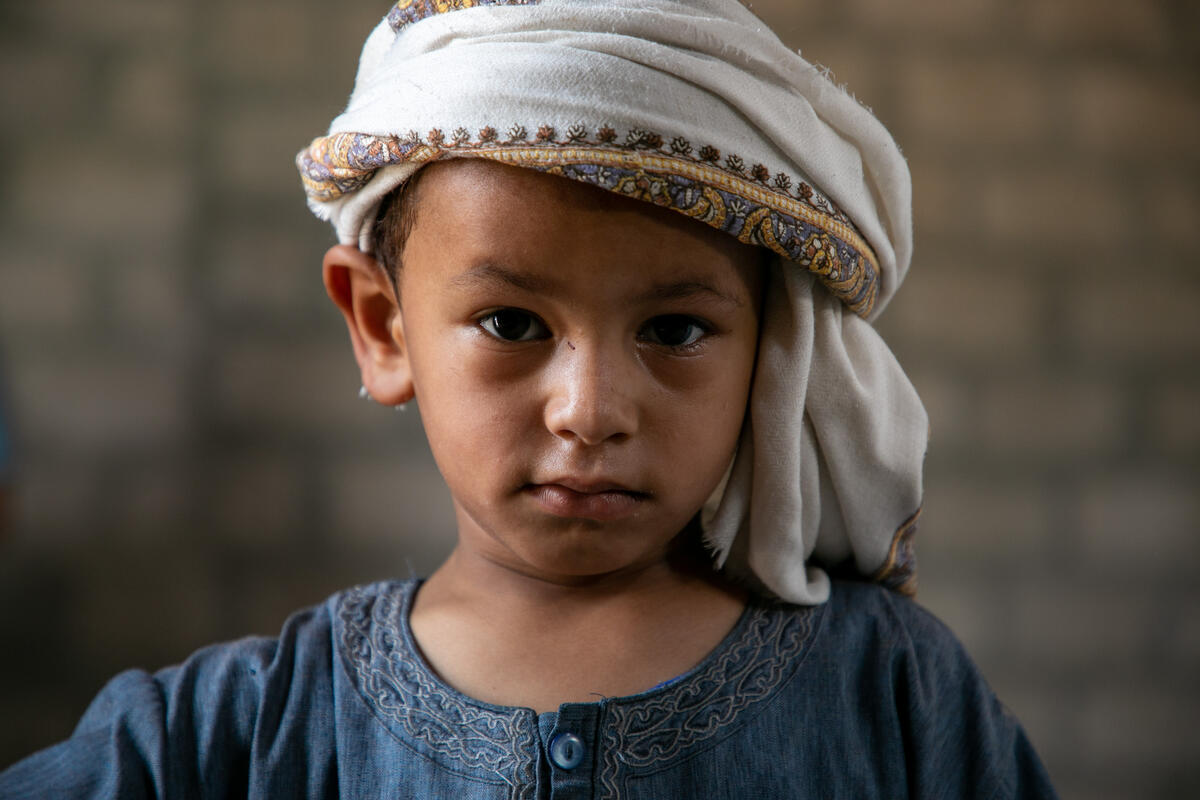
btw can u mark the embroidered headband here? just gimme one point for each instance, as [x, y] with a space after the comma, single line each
[695, 106]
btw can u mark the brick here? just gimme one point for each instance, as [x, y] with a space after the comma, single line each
[942, 205]
[1173, 203]
[961, 603]
[39, 65]
[1050, 418]
[34, 719]
[1175, 419]
[146, 607]
[1040, 710]
[44, 285]
[1060, 206]
[1185, 636]
[1077, 628]
[150, 101]
[148, 286]
[854, 65]
[947, 402]
[1145, 726]
[977, 103]
[295, 388]
[244, 273]
[267, 41]
[404, 508]
[789, 18]
[1108, 782]
[963, 307]
[120, 21]
[924, 18]
[1139, 522]
[259, 499]
[101, 194]
[275, 591]
[1141, 27]
[56, 502]
[1148, 315]
[1141, 117]
[351, 24]
[97, 403]
[258, 146]
[985, 521]
[151, 501]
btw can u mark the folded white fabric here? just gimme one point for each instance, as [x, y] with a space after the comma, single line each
[695, 106]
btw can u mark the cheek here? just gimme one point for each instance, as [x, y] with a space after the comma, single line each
[703, 409]
[468, 410]
[718, 381]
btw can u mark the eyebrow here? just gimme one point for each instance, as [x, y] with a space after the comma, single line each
[687, 289]
[492, 274]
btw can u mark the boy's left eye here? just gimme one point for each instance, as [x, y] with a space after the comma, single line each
[674, 330]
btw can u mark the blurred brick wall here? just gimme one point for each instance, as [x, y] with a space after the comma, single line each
[193, 464]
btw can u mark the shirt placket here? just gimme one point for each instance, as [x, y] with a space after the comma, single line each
[571, 752]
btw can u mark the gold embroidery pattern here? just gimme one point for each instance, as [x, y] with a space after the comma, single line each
[899, 570]
[406, 12]
[787, 216]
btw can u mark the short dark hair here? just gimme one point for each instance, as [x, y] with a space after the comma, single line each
[393, 224]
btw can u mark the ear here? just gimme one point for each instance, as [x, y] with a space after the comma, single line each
[362, 291]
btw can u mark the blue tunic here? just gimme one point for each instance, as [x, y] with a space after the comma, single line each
[866, 696]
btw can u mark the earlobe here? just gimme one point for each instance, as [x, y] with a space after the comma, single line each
[360, 289]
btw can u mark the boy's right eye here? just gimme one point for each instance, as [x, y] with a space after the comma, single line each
[513, 325]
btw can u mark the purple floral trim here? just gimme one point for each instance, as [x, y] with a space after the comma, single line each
[406, 12]
[758, 206]
[899, 571]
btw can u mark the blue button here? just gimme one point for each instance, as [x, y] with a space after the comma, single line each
[566, 750]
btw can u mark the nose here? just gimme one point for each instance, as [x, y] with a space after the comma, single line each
[591, 393]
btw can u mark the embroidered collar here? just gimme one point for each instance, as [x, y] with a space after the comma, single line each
[638, 732]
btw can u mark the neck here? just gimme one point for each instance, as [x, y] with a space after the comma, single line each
[514, 638]
[472, 577]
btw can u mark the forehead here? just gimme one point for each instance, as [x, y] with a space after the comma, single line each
[473, 212]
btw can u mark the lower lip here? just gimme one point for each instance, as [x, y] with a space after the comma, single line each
[600, 506]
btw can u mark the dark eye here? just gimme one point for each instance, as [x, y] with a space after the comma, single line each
[674, 330]
[513, 325]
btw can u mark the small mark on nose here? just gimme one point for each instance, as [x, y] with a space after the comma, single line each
[570, 345]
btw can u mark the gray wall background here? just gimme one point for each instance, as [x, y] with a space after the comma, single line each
[192, 463]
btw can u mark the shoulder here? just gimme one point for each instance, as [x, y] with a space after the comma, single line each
[864, 622]
[925, 686]
[182, 726]
[247, 688]
[868, 614]
[888, 640]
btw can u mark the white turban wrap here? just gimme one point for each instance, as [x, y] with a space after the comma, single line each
[695, 106]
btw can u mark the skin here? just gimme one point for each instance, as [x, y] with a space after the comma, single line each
[582, 362]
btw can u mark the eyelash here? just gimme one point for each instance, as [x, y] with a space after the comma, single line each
[491, 325]
[533, 322]
[694, 341]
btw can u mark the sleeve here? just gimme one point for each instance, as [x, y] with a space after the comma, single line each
[234, 719]
[961, 742]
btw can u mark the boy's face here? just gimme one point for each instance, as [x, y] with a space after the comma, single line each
[582, 363]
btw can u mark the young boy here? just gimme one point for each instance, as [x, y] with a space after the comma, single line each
[634, 322]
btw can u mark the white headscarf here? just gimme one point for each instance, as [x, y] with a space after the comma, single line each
[698, 107]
